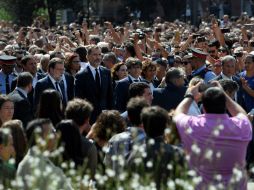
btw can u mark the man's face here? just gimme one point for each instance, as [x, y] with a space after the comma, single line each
[160, 71]
[249, 64]
[148, 95]
[228, 68]
[57, 72]
[95, 57]
[135, 71]
[213, 52]
[31, 66]
[7, 68]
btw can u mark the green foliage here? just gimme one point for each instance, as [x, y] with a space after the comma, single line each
[4, 15]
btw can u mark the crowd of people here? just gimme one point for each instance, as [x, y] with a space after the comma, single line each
[161, 99]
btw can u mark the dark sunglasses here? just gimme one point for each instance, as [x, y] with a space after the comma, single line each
[238, 54]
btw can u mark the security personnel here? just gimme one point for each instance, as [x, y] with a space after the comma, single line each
[7, 63]
[199, 67]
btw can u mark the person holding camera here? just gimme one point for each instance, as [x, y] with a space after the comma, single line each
[208, 139]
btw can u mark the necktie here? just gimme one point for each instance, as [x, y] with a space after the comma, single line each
[7, 86]
[58, 89]
[61, 84]
[98, 83]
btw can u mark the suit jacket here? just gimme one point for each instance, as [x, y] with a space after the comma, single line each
[30, 95]
[22, 107]
[121, 94]
[85, 88]
[239, 96]
[46, 83]
[168, 97]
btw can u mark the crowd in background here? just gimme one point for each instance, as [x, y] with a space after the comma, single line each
[107, 92]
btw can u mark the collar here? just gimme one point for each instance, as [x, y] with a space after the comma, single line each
[199, 70]
[225, 77]
[93, 68]
[53, 80]
[132, 78]
[22, 91]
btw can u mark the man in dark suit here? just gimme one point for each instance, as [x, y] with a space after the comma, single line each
[54, 80]
[29, 65]
[228, 72]
[170, 96]
[121, 95]
[94, 83]
[22, 106]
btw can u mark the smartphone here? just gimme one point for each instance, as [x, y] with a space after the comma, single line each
[171, 60]
[195, 36]
[252, 44]
[245, 43]
[225, 30]
[201, 39]
[157, 29]
[168, 48]
[37, 30]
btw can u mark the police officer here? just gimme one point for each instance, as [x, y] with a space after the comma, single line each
[7, 63]
[199, 66]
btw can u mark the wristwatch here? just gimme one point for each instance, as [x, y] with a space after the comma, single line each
[189, 95]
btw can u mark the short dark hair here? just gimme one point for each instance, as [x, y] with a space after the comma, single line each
[24, 79]
[131, 61]
[82, 52]
[31, 128]
[90, 48]
[78, 110]
[53, 62]
[155, 120]
[214, 100]
[129, 47]
[229, 85]
[54, 54]
[215, 43]
[134, 108]
[161, 62]
[25, 59]
[137, 89]
[172, 74]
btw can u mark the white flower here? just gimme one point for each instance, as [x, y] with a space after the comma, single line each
[216, 132]
[189, 130]
[195, 149]
[169, 167]
[110, 173]
[218, 154]
[192, 173]
[151, 141]
[208, 154]
[149, 164]
[171, 184]
[218, 177]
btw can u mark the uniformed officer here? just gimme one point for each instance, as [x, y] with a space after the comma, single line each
[199, 66]
[7, 63]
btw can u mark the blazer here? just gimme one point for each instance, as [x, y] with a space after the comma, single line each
[168, 97]
[30, 94]
[85, 88]
[46, 83]
[121, 94]
[22, 107]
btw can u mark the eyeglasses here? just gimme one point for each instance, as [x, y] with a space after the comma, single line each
[223, 50]
[185, 62]
[238, 54]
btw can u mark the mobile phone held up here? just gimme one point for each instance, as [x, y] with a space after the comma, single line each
[171, 60]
